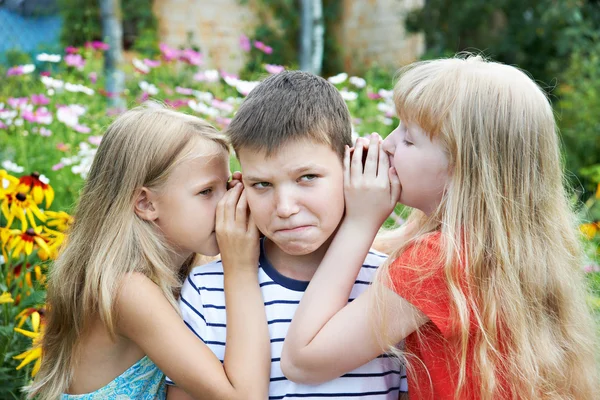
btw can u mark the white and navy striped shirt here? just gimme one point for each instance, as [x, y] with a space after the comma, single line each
[203, 308]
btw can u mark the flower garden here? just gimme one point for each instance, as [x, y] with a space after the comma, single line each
[52, 115]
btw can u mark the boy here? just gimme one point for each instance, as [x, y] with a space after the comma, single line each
[289, 135]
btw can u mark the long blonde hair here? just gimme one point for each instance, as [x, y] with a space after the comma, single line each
[108, 240]
[511, 251]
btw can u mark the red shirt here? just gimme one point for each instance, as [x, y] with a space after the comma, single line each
[418, 276]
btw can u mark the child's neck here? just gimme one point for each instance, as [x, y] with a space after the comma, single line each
[301, 268]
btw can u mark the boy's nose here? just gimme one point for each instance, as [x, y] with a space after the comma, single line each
[286, 204]
[388, 145]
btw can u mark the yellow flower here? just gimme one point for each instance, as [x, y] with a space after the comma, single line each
[8, 183]
[23, 242]
[31, 184]
[19, 205]
[6, 298]
[598, 192]
[60, 220]
[589, 230]
[35, 351]
[56, 239]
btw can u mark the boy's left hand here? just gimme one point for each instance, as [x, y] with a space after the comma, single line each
[370, 190]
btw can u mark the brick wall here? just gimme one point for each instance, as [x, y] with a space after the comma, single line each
[369, 31]
[372, 32]
[213, 26]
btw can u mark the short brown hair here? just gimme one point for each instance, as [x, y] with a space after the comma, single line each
[291, 105]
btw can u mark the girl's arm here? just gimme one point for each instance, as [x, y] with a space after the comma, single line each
[148, 319]
[329, 337]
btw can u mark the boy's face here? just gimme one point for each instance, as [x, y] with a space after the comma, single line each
[296, 195]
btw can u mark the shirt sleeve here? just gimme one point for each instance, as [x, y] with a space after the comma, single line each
[192, 311]
[418, 276]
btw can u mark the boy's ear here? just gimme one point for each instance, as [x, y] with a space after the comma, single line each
[143, 206]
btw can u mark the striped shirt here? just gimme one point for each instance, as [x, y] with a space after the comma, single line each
[202, 305]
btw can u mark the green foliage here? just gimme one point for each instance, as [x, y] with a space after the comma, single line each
[82, 23]
[578, 113]
[536, 35]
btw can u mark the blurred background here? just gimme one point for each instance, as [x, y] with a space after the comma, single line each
[68, 67]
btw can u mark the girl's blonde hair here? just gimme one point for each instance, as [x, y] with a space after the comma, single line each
[511, 251]
[108, 240]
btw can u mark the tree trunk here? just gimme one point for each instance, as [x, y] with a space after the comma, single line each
[312, 36]
[112, 31]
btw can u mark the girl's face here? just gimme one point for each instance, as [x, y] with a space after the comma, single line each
[187, 203]
[421, 164]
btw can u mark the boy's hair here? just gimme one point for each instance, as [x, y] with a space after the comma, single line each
[291, 105]
[108, 240]
[512, 256]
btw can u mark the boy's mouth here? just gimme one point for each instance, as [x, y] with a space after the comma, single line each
[294, 229]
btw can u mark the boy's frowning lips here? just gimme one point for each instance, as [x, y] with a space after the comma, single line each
[294, 229]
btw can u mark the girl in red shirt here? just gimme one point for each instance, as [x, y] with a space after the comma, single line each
[484, 281]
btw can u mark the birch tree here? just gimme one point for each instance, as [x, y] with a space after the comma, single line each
[312, 33]
[112, 31]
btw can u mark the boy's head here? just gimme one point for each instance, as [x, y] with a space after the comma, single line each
[289, 135]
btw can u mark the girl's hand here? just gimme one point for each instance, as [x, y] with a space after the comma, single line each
[371, 190]
[237, 235]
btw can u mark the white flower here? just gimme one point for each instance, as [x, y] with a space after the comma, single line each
[349, 96]
[69, 115]
[386, 94]
[50, 82]
[44, 179]
[50, 92]
[211, 75]
[82, 161]
[206, 97]
[140, 66]
[8, 114]
[12, 167]
[386, 108]
[203, 108]
[54, 58]
[357, 81]
[18, 122]
[71, 87]
[28, 68]
[148, 88]
[339, 78]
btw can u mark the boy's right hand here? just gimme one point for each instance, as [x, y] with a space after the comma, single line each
[237, 236]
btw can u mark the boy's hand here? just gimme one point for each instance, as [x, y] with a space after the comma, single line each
[371, 190]
[237, 235]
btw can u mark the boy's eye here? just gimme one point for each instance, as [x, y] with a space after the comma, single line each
[308, 177]
[261, 185]
[205, 192]
[406, 142]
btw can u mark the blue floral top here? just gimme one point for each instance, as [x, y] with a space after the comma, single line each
[143, 380]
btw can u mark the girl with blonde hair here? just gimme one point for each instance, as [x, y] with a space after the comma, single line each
[156, 196]
[485, 280]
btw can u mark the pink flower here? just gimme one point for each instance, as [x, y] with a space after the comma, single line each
[2, 125]
[221, 105]
[274, 69]
[373, 96]
[591, 268]
[71, 50]
[152, 63]
[177, 103]
[45, 73]
[145, 96]
[111, 112]
[82, 128]
[223, 121]
[225, 75]
[17, 102]
[39, 100]
[184, 91]
[168, 53]
[245, 43]
[95, 140]
[263, 47]
[191, 57]
[75, 60]
[62, 147]
[20, 70]
[97, 45]
[58, 166]
[39, 116]
[45, 132]
[93, 77]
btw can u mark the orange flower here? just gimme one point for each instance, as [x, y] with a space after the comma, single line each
[31, 184]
